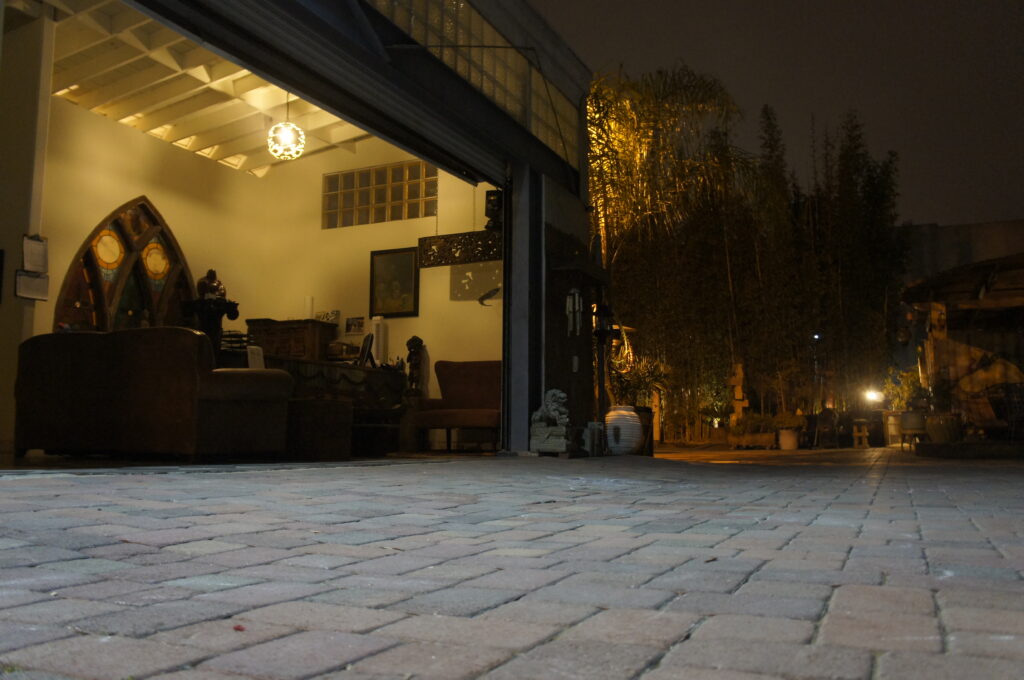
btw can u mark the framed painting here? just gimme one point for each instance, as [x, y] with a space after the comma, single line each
[394, 283]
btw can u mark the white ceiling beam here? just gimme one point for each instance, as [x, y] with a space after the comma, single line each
[90, 28]
[197, 56]
[123, 87]
[222, 115]
[154, 36]
[91, 68]
[187, 107]
[245, 144]
[78, 6]
[167, 92]
[251, 81]
[349, 133]
[258, 157]
[73, 37]
[255, 122]
[158, 96]
[163, 55]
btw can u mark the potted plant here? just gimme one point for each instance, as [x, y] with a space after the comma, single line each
[789, 425]
[630, 422]
[754, 431]
[902, 389]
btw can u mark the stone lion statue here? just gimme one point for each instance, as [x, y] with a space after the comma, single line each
[553, 412]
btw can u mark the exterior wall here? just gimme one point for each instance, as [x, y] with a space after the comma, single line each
[24, 78]
[934, 248]
[262, 235]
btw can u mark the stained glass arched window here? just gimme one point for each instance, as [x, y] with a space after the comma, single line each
[129, 272]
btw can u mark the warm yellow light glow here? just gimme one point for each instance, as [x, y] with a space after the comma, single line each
[873, 395]
[286, 141]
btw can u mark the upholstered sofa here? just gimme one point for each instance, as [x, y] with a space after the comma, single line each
[470, 398]
[144, 391]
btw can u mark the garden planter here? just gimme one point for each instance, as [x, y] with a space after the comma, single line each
[789, 439]
[752, 440]
[943, 428]
[625, 432]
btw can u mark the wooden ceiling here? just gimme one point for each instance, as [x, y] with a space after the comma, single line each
[117, 62]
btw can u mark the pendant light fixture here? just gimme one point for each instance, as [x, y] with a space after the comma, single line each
[286, 141]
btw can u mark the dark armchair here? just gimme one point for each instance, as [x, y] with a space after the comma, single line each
[470, 398]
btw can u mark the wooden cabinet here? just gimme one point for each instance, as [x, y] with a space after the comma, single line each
[299, 339]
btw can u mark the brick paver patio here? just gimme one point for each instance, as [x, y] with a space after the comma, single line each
[849, 565]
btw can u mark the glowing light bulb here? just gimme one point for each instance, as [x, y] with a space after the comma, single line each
[286, 141]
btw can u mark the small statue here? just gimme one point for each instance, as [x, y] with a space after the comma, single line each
[549, 425]
[210, 288]
[415, 361]
[212, 306]
[553, 412]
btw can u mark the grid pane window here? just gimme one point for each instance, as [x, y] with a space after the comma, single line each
[458, 35]
[382, 194]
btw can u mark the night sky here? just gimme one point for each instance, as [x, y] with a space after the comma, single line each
[941, 82]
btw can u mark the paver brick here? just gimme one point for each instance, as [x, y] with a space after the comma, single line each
[222, 635]
[102, 658]
[142, 621]
[259, 594]
[986, 644]
[13, 597]
[457, 601]
[881, 630]
[431, 661]
[56, 611]
[485, 632]
[789, 660]
[917, 666]
[633, 627]
[977, 619]
[783, 589]
[602, 595]
[577, 660]
[15, 635]
[693, 673]
[743, 627]
[322, 616]
[883, 599]
[299, 656]
[757, 605]
[986, 599]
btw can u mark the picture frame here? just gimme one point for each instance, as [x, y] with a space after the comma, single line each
[355, 325]
[394, 283]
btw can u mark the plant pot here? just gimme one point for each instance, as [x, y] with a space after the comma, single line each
[789, 439]
[752, 440]
[625, 433]
[646, 416]
[942, 428]
[892, 428]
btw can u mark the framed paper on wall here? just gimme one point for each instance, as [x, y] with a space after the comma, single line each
[394, 283]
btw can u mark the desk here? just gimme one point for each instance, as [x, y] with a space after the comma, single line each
[297, 339]
[373, 396]
[319, 429]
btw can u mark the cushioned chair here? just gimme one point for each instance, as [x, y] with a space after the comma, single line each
[145, 390]
[470, 398]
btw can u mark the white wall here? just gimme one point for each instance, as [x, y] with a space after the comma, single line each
[262, 235]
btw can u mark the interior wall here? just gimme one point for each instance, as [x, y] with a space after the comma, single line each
[262, 235]
[25, 64]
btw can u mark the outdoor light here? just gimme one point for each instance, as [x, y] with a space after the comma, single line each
[873, 395]
[286, 141]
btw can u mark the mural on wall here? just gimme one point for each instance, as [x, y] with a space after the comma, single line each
[129, 272]
[479, 282]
